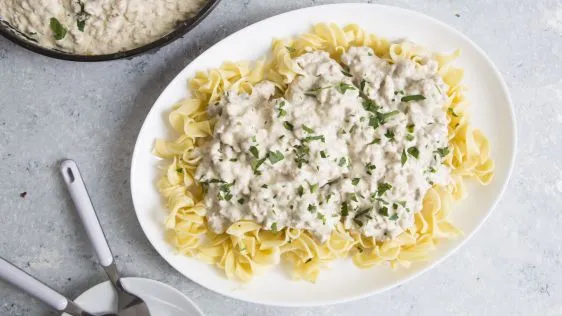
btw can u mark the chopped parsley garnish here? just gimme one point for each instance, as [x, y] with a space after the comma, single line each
[404, 157]
[383, 187]
[363, 212]
[307, 129]
[254, 151]
[432, 170]
[410, 137]
[381, 118]
[323, 154]
[59, 31]
[389, 134]
[370, 167]
[353, 197]
[288, 126]
[452, 112]
[362, 85]
[414, 97]
[311, 208]
[375, 141]
[241, 201]
[274, 227]
[313, 138]
[300, 190]
[282, 111]
[398, 92]
[383, 211]
[275, 156]
[313, 188]
[443, 152]
[179, 170]
[265, 186]
[256, 164]
[346, 73]
[344, 209]
[393, 217]
[342, 162]
[290, 49]
[410, 128]
[402, 203]
[301, 153]
[370, 106]
[81, 24]
[342, 87]
[358, 222]
[352, 129]
[414, 152]
[321, 217]
[355, 181]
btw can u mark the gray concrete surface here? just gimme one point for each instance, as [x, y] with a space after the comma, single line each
[52, 109]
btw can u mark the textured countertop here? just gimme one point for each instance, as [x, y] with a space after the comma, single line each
[51, 109]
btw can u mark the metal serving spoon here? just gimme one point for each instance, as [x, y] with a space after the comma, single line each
[87, 214]
[44, 293]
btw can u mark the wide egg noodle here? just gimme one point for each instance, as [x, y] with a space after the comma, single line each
[246, 249]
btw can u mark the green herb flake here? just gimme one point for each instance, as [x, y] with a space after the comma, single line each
[313, 138]
[290, 49]
[311, 208]
[256, 164]
[254, 151]
[179, 170]
[452, 112]
[59, 31]
[313, 188]
[410, 128]
[355, 181]
[342, 162]
[265, 186]
[404, 157]
[443, 152]
[393, 217]
[383, 187]
[288, 126]
[414, 152]
[414, 97]
[358, 222]
[342, 87]
[323, 154]
[274, 227]
[300, 190]
[389, 134]
[241, 201]
[81, 24]
[409, 137]
[321, 217]
[307, 129]
[275, 156]
[370, 106]
[375, 141]
[344, 209]
[383, 211]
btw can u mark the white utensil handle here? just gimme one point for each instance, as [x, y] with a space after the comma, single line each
[29, 284]
[86, 211]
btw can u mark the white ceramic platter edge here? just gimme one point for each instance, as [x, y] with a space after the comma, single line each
[491, 111]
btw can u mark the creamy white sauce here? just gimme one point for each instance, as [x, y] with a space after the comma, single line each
[326, 155]
[109, 26]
